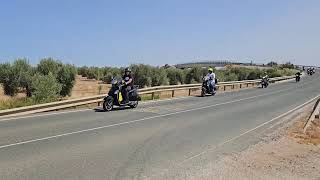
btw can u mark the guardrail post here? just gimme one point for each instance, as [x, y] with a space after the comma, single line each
[224, 88]
[232, 86]
[247, 84]
[240, 86]
[172, 93]
[152, 95]
[189, 94]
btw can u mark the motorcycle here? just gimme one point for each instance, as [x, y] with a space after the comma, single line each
[206, 88]
[264, 82]
[115, 98]
[297, 78]
[310, 72]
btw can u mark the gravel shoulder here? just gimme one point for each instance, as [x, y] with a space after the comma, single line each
[286, 153]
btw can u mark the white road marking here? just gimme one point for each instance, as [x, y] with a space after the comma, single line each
[45, 114]
[236, 137]
[253, 129]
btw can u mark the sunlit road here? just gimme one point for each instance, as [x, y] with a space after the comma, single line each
[140, 143]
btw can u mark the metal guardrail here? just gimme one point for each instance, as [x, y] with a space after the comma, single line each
[152, 90]
[314, 115]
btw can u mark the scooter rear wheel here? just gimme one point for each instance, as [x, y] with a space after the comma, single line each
[203, 93]
[134, 105]
[108, 105]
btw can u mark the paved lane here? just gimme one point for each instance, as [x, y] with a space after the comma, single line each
[132, 144]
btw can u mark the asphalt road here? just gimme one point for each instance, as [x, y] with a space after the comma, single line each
[157, 138]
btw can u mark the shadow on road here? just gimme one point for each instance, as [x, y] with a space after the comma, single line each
[114, 109]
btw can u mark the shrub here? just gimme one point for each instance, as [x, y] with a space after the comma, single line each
[66, 77]
[287, 65]
[195, 75]
[95, 73]
[175, 76]
[253, 75]
[48, 65]
[83, 71]
[9, 80]
[15, 76]
[220, 75]
[142, 74]
[231, 77]
[24, 72]
[45, 88]
[159, 77]
[273, 72]
[107, 78]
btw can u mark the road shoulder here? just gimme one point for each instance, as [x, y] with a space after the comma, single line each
[286, 153]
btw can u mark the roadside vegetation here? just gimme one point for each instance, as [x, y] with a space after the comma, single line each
[147, 76]
[51, 80]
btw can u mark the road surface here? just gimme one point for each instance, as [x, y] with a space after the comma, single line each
[158, 140]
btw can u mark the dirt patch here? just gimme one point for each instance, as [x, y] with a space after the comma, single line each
[4, 97]
[312, 136]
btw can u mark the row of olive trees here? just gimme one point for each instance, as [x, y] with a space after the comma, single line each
[104, 73]
[146, 75]
[45, 82]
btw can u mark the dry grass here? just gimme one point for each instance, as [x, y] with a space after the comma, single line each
[84, 87]
[4, 97]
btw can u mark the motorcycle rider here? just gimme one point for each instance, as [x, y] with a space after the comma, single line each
[211, 77]
[127, 80]
[298, 74]
[265, 78]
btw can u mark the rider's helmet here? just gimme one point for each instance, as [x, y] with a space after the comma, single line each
[127, 70]
[210, 70]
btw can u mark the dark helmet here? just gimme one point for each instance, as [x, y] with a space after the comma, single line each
[127, 70]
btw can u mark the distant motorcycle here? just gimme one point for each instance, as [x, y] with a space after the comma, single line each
[264, 82]
[206, 88]
[297, 78]
[310, 72]
[115, 98]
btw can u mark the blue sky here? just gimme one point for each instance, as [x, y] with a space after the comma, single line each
[121, 32]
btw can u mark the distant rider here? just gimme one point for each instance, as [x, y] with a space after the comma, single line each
[298, 74]
[211, 78]
[266, 76]
[128, 84]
